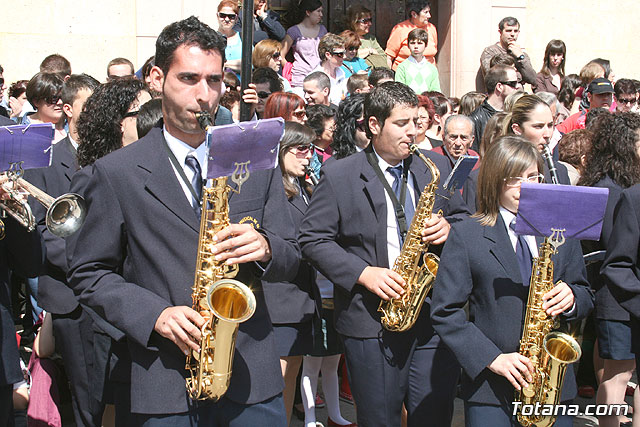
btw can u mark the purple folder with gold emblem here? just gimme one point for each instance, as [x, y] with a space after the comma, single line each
[239, 148]
[579, 211]
[26, 145]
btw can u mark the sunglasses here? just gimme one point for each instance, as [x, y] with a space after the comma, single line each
[228, 16]
[338, 54]
[53, 100]
[131, 114]
[353, 48]
[299, 114]
[263, 95]
[303, 150]
[512, 83]
[276, 55]
[365, 21]
[620, 100]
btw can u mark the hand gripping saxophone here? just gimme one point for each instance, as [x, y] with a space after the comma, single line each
[223, 301]
[549, 352]
[400, 314]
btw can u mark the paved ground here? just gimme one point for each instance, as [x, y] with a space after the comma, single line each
[348, 412]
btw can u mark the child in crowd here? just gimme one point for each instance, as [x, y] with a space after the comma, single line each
[358, 83]
[415, 71]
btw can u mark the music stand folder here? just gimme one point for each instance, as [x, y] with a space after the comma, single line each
[29, 146]
[579, 211]
[460, 172]
[244, 147]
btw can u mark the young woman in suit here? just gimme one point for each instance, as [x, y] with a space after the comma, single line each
[489, 279]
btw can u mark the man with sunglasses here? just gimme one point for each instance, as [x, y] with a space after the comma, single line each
[267, 82]
[625, 95]
[509, 29]
[500, 81]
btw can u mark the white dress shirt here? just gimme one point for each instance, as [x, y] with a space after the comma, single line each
[181, 149]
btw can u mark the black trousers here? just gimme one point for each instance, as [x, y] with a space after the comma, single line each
[6, 405]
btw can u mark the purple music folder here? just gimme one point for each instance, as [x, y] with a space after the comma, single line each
[245, 146]
[29, 145]
[577, 210]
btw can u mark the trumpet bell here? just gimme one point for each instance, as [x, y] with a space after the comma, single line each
[66, 214]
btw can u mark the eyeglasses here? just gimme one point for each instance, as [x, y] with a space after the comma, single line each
[300, 115]
[626, 100]
[53, 100]
[276, 55]
[365, 21]
[512, 83]
[463, 138]
[515, 181]
[263, 95]
[338, 54]
[227, 16]
[131, 114]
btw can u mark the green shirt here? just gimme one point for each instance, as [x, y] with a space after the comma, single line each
[421, 77]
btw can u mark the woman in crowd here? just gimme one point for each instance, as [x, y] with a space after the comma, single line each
[442, 110]
[350, 137]
[266, 23]
[359, 20]
[397, 45]
[470, 101]
[352, 64]
[294, 305]
[303, 39]
[322, 120]
[287, 105]
[227, 18]
[489, 279]
[426, 114]
[331, 50]
[573, 149]
[613, 163]
[567, 96]
[550, 77]
[267, 53]
[17, 97]
[108, 119]
[43, 93]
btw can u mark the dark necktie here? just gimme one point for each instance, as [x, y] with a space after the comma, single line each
[523, 254]
[409, 210]
[196, 182]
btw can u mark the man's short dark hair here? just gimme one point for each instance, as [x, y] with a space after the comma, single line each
[44, 86]
[56, 63]
[148, 116]
[380, 73]
[417, 5]
[510, 21]
[502, 59]
[418, 34]
[625, 86]
[74, 84]
[188, 32]
[382, 99]
[267, 75]
[496, 74]
[120, 61]
[321, 79]
[316, 116]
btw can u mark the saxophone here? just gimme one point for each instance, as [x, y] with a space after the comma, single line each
[400, 314]
[549, 352]
[223, 301]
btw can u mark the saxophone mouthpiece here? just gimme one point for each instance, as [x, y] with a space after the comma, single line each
[204, 119]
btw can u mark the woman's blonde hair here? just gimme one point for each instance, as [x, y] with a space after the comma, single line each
[263, 51]
[508, 157]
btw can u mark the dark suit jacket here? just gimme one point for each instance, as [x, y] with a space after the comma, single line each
[621, 265]
[606, 306]
[136, 254]
[54, 295]
[20, 252]
[5, 121]
[479, 266]
[296, 301]
[345, 230]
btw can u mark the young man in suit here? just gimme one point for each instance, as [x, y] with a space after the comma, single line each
[351, 235]
[133, 261]
[72, 326]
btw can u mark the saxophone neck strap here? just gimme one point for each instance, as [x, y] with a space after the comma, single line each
[398, 205]
[180, 169]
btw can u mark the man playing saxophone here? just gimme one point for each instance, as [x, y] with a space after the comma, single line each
[134, 260]
[352, 235]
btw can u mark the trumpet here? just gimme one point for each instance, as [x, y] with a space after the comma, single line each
[65, 214]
